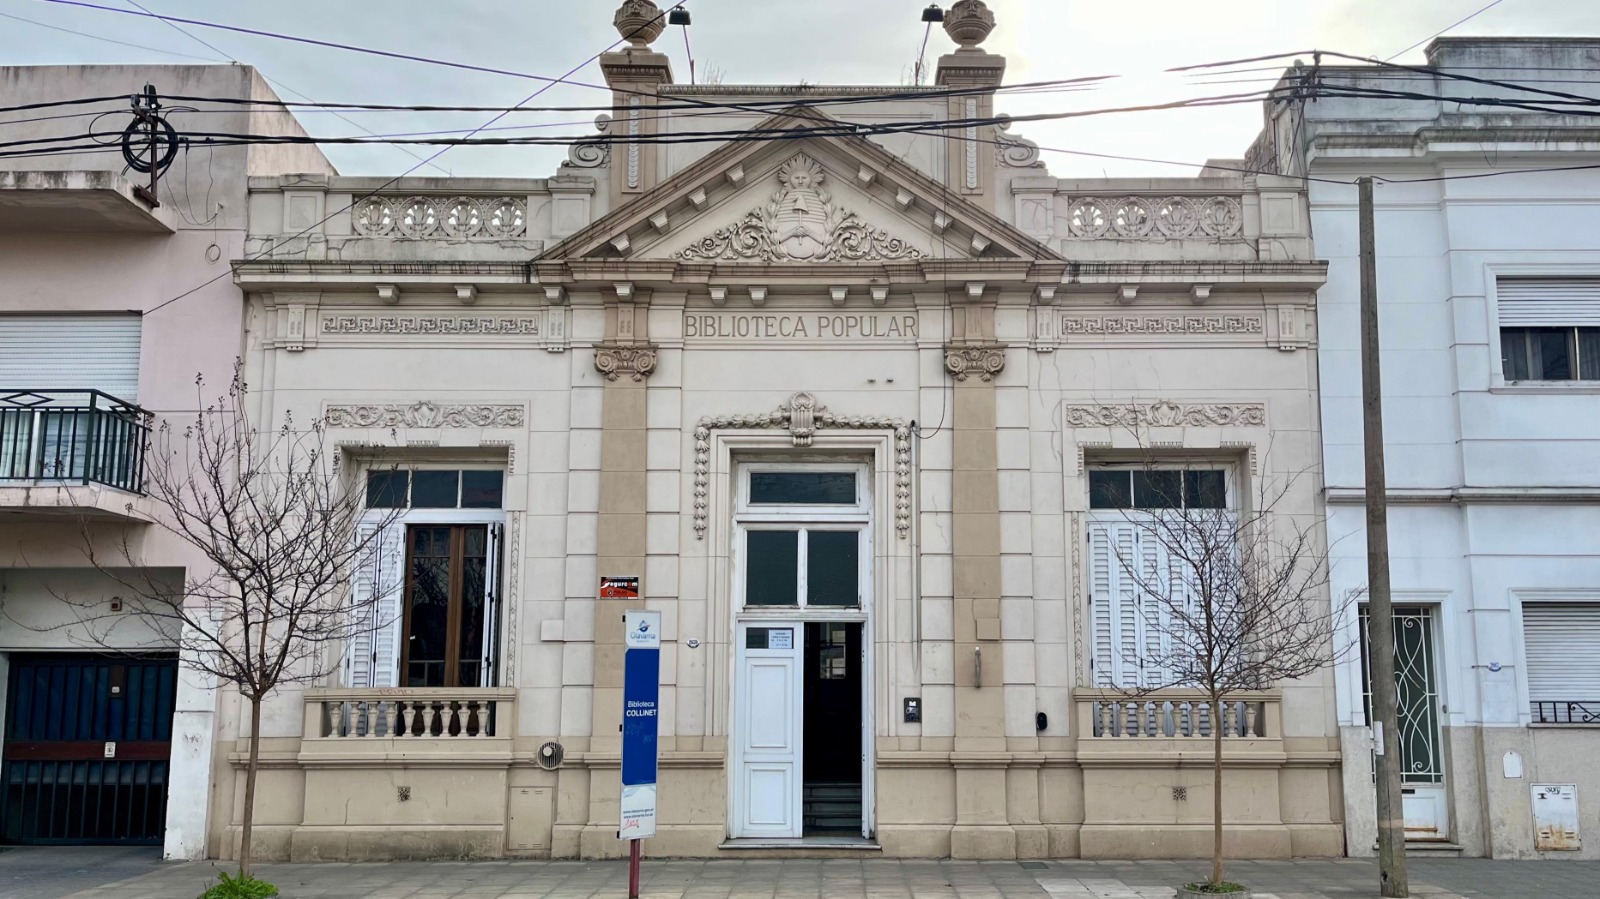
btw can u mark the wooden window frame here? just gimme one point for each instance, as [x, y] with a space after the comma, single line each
[455, 601]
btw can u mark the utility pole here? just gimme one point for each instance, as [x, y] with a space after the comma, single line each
[1392, 879]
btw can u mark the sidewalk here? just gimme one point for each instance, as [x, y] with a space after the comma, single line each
[63, 872]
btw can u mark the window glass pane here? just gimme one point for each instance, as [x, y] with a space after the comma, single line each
[1514, 353]
[474, 565]
[1110, 490]
[482, 489]
[832, 488]
[772, 568]
[435, 489]
[1205, 489]
[1550, 350]
[428, 606]
[387, 489]
[833, 568]
[1589, 354]
[1157, 489]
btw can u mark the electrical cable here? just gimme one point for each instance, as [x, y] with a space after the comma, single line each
[549, 83]
[1446, 28]
[95, 37]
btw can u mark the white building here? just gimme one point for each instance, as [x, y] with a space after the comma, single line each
[1489, 286]
[835, 402]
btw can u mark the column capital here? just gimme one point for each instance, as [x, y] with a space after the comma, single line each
[635, 360]
[984, 360]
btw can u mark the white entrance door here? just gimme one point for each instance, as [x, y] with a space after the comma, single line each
[767, 730]
[1426, 798]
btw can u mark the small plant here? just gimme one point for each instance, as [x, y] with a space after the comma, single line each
[1206, 886]
[241, 887]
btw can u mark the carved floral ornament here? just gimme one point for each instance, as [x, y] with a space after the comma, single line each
[1166, 414]
[424, 415]
[444, 218]
[1155, 218]
[802, 416]
[801, 223]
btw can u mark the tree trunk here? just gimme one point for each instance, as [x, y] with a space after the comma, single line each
[1217, 718]
[250, 786]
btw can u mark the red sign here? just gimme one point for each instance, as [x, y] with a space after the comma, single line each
[619, 588]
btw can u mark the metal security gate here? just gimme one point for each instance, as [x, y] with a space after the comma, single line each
[87, 747]
[1422, 776]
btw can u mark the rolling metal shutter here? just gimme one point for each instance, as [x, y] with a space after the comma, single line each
[1549, 302]
[1563, 651]
[71, 352]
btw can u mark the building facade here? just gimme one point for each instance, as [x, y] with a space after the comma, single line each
[829, 401]
[102, 745]
[1487, 279]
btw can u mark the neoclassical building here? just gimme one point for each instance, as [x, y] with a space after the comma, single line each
[834, 396]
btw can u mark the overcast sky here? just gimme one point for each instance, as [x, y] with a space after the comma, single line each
[772, 42]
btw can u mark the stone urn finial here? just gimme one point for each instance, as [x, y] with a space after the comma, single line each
[968, 23]
[640, 22]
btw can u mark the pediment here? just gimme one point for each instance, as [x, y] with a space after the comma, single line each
[808, 200]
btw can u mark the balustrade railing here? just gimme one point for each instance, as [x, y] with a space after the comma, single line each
[441, 217]
[408, 713]
[1176, 717]
[1567, 711]
[72, 435]
[1155, 217]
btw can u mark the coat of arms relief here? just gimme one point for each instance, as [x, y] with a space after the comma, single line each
[801, 223]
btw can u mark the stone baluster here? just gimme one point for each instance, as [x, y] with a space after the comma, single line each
[1252, 713]
[1133, 723]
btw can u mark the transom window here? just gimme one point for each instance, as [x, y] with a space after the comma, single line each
[426, 488]
[1158, 488]
[802, 535]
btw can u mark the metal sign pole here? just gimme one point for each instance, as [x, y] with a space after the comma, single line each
[641, 694]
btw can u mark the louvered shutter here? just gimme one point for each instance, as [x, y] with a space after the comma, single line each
[491, 608]
[1563, 651]
[80, 352]
[373, 658]
[1548, 302]
[1130, 624]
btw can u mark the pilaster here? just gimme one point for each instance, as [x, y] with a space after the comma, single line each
[635, 76]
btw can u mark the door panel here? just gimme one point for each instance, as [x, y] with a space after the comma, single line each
[88, 740]
[1425, 802]
[767, 730]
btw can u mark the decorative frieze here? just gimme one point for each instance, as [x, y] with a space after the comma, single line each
[636, 361]
[424, 415]
[1155, 218]
[1166, 414]
[802, 416]
[443, 218]
[1161, 324]
[983, 361]
[340, 323]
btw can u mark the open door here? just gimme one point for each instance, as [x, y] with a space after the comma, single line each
[768, 735]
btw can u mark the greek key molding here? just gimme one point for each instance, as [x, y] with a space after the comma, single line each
[1155, 218]
[1166, 414]
[441, 218]
[424, 414]
[336, 323]
[635, 361]
[802, 416]
[983, 361]
[1161, 324]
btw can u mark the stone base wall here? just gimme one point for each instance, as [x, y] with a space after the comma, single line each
[359, 809]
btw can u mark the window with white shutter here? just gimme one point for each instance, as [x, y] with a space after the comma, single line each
[1549, 328]
[71, 352]
[374, 651]
[1131, 564]
[1562, 650]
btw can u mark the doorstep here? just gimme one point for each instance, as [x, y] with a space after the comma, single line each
[858, 844]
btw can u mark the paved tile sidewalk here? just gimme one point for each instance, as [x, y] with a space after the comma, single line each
[125, 876]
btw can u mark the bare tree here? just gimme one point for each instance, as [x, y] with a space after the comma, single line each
[280, 531]
[1232, 596]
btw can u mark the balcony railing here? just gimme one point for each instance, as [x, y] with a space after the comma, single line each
[406, 713]
[73, 436]
[1177, 715]
[1567, 711]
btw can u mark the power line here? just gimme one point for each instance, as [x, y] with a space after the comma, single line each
[1444, 29]
[96, 37]
[549, 83]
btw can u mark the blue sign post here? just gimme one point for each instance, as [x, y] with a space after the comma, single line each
[641, 695]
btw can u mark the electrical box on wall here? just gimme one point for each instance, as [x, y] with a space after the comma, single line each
[1555, 817]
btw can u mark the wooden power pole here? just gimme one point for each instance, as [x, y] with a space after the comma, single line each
[1392, 880]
